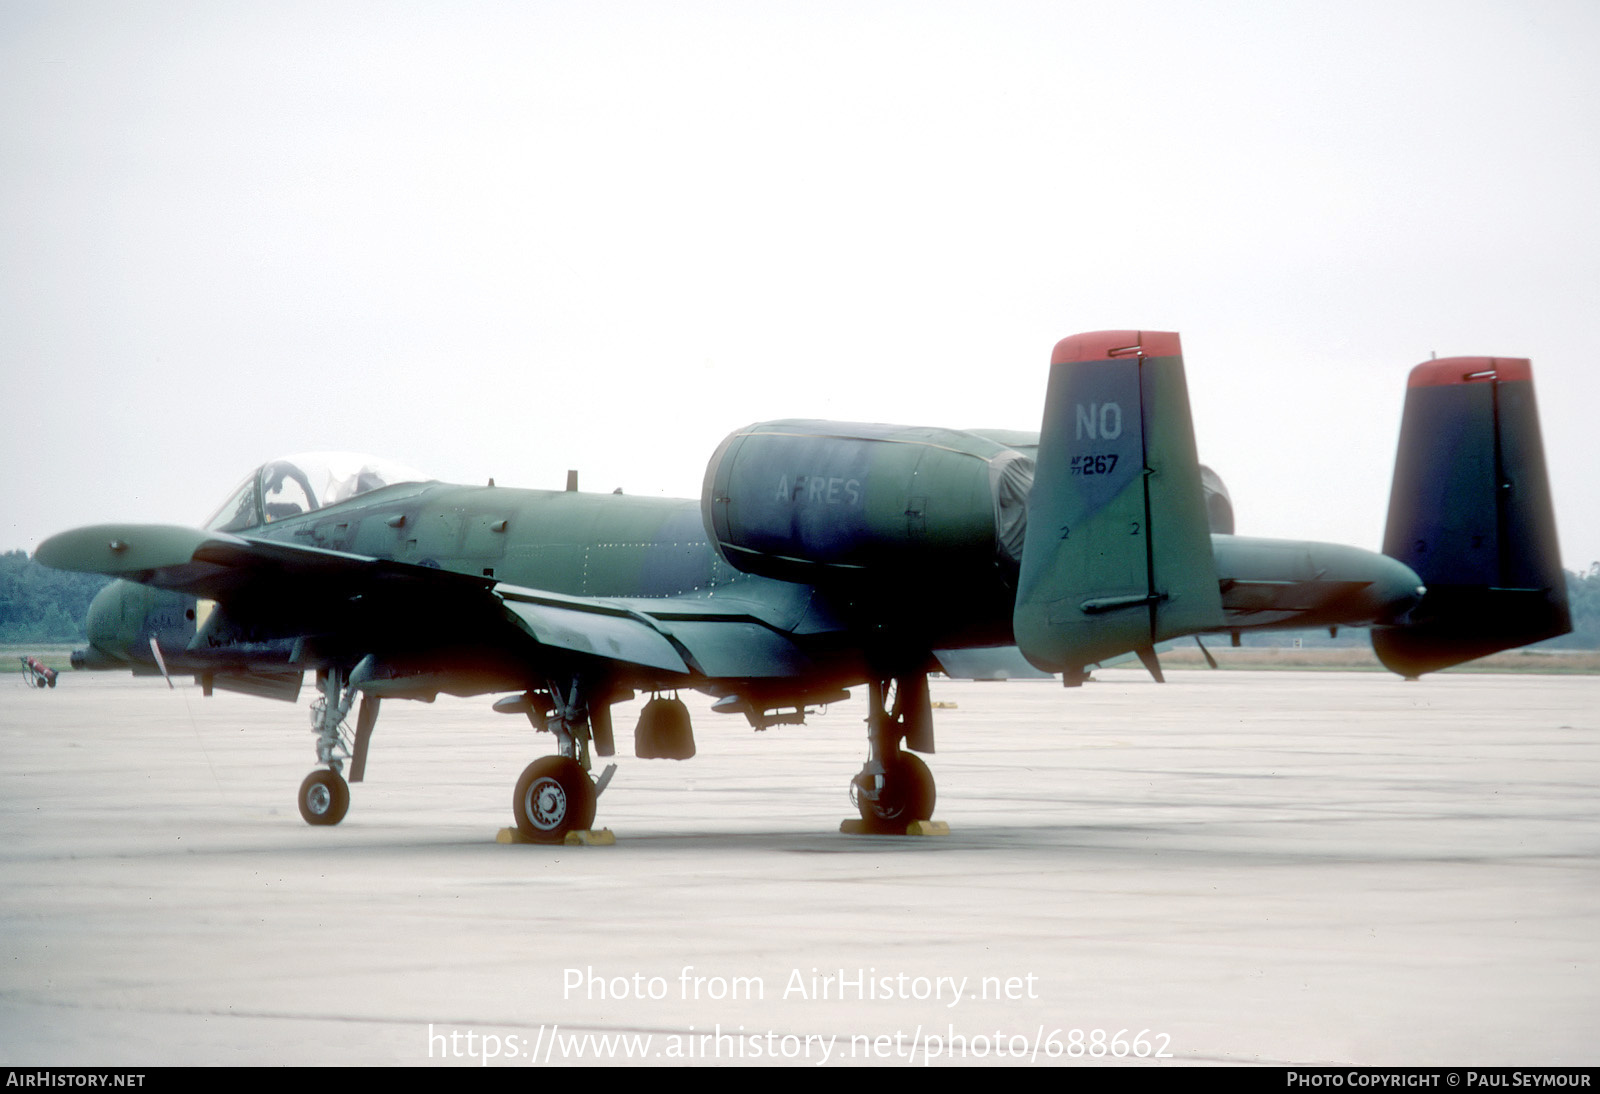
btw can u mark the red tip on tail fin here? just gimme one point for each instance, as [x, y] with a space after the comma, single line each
[1117, 554]
[1468, 370]
[1101, 345]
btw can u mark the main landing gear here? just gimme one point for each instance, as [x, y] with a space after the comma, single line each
[324, 796]
[895, 788]
[555, 794]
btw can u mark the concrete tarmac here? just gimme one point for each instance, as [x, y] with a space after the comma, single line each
[1234, 867]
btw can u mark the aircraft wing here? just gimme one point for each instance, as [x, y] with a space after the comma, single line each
[289, 590]
[222, 567]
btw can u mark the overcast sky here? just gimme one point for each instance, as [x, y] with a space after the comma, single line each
[508, 239]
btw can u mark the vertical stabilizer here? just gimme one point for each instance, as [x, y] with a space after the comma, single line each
[1470, 512]
[1118, 552]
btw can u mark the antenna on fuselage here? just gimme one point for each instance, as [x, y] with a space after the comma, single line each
[572, 482]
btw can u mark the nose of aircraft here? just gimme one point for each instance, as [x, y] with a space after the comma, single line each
[108, 646]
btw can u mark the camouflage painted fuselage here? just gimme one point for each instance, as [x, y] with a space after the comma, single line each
[608, 546]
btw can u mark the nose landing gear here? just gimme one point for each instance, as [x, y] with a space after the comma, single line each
[324, 796]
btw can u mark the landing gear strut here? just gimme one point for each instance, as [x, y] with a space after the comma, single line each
[324, 795]
[555, 795]
[895, 788]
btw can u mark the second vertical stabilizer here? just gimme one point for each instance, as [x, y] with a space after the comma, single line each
[1470, 512]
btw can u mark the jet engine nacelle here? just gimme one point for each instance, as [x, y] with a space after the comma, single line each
[813, 500]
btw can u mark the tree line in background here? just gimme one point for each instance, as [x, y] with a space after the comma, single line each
[1583, 592]
[38, 604]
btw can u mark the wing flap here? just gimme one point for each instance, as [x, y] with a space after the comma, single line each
[739, 648]
[691, 639]
[594, 629]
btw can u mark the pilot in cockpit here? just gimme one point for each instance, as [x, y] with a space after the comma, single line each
[304, 483]
[286, 491]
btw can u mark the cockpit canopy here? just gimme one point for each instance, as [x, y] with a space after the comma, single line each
[305, 482]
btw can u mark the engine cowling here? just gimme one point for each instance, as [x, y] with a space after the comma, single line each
[813, 500]
[1219, 503]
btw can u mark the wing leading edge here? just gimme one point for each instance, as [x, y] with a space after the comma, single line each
[292, 590]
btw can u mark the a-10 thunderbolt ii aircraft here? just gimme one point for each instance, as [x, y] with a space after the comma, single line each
[821, 556]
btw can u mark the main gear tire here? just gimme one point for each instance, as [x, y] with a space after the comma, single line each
[554, 796]
[907, 796]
